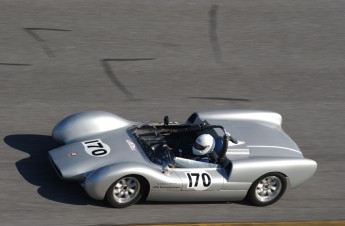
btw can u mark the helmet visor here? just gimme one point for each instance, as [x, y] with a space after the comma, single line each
[200, 147]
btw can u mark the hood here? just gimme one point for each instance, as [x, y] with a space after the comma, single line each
[73, 161]
[259, 132]
[258, 139]
[267, 141]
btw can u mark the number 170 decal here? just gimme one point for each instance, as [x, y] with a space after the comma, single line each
[96, 148]
[199, 181]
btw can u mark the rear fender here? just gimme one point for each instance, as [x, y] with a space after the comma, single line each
[78, 126]
[97, 183]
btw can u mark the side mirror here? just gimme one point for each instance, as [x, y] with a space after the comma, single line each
[166, 168]
[166, 120]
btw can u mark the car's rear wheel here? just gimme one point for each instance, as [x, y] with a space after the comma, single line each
[125, 191]
[267, 189]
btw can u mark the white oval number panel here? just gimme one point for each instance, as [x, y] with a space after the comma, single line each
[96, 148]
[198, 180]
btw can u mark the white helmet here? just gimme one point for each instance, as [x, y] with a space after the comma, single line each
[203, 145]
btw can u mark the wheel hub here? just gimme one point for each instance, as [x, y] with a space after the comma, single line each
[126, 189]
[268, 188]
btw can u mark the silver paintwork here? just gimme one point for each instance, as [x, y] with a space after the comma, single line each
[262, 117]
[85, 124]
[263, 147]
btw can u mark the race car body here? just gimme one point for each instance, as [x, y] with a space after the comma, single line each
[123, 161]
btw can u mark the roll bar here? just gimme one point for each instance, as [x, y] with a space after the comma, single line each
[194, 128]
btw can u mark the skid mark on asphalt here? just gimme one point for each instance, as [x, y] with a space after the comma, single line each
[14, 64]
[213, 14]
[221, 98]
[33, 33]
[108, 70]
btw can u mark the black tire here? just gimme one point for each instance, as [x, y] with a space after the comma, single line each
[125, 191]
[267, 189]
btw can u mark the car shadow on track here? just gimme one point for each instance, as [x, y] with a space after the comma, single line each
[38, 171]
[157, 203]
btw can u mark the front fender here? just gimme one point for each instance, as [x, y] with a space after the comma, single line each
[297, 170]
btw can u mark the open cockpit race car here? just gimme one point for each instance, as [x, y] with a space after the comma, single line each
[123, 161]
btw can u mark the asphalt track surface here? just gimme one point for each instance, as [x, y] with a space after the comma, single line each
[146, 59]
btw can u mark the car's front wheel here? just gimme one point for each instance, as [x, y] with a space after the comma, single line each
[125, 192]
[267, 189]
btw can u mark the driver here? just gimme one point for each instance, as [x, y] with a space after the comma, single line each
[203, 147]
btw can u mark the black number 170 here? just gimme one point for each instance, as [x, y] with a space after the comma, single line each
[194, 179]
[96, 144]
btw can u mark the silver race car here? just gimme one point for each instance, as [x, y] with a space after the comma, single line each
[124, 161]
